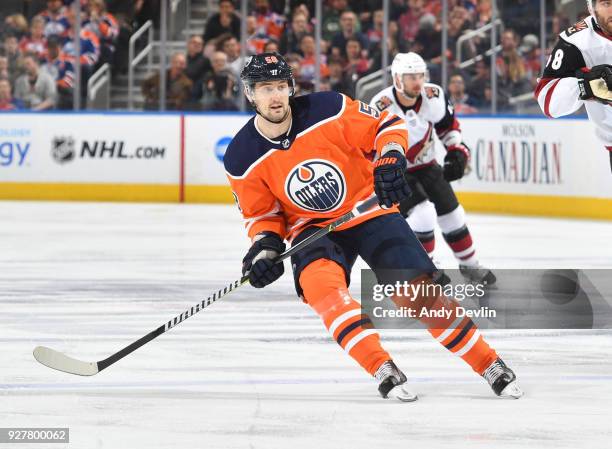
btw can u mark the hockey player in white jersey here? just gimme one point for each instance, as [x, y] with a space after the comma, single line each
[427, 112]
[578, 72]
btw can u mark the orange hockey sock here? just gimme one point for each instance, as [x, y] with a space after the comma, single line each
[325, 290]
[457, 334]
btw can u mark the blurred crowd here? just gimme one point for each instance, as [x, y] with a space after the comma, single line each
[37, 51]
[37, 64]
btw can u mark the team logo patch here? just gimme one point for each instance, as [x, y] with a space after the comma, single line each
[383, 103]
[432, 92]
[316, 185]
[579, 26]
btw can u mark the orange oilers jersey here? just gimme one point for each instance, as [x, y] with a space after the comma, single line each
[316, 172]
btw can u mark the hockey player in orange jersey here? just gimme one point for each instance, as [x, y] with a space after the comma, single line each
[301, 163]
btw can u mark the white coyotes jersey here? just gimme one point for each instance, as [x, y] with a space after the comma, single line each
[581, 45]
[431, 113]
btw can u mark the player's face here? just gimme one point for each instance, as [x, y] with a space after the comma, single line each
[272, 100]
[413, 83]
[603, 14]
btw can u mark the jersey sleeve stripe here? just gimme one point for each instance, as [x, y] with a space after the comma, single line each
[251, 221]
[391, 128]
[549, 97]
[542, 83]
[388, 123]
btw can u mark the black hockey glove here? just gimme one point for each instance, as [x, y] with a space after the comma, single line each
[390, 182]
[455, 161]
[259, 262]
[596, 83]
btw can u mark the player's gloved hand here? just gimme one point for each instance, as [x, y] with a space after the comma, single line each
[455, 160]
[596, 83]
[390, 182]
[259, 262]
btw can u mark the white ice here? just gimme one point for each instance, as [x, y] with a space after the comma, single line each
[257, 369]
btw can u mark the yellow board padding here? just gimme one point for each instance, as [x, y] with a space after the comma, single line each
[89, 192]
[495, 203]
[537, 205]
[208, 194]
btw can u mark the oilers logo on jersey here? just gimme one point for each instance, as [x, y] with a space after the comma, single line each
[316, 185]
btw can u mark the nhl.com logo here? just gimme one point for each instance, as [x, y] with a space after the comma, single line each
[316, 185]
[62, 149]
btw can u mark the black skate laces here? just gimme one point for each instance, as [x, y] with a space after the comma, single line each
[385, 370]
[493, 372]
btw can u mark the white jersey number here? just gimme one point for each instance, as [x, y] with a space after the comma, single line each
[557, 60]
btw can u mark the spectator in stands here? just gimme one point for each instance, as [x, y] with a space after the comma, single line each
[225, 21]
[105, 27]
[458, 23]
[356, 65]
[35, 42]
[56, 21]
[269, 23]
[59, 66]
[11, 51]
[290, 41]
[7, 102]
[364, 10]
[559, 23]
[409, 22]
[484, 12]
[90, 45]
[302, 85]
[376, 53]
[457, 95]
[35, 88]
[197, 64]
[428, 41]
[331, 19]
[511, 68]
[348, 30]
[374, 34]
[477, 83]
[530, 51]
[271, 46]
[256, 37]
[16, 24]
[308, 63]
[4, 68]
[229, 45]
[220, 86]
[178, 86]
[336, 78]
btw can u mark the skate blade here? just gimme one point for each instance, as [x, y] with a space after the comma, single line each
[402, 394]
[512, 391]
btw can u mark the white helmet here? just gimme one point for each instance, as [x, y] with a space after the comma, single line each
[406, 63]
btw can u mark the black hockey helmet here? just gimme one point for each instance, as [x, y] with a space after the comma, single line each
[266, 67]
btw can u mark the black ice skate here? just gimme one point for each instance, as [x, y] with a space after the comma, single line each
[478, 274]
[393, 383]
[502, 380]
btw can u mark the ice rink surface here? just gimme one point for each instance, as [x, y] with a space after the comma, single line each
[258, 369]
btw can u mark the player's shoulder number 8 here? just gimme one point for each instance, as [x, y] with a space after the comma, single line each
[557, 60]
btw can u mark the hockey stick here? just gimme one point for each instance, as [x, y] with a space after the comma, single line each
[61, 362]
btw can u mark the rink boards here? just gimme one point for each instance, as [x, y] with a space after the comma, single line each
[520, 165]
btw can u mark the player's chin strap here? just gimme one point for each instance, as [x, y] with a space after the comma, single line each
[61, 362]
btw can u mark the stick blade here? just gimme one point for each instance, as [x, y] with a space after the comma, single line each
[62, 362]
